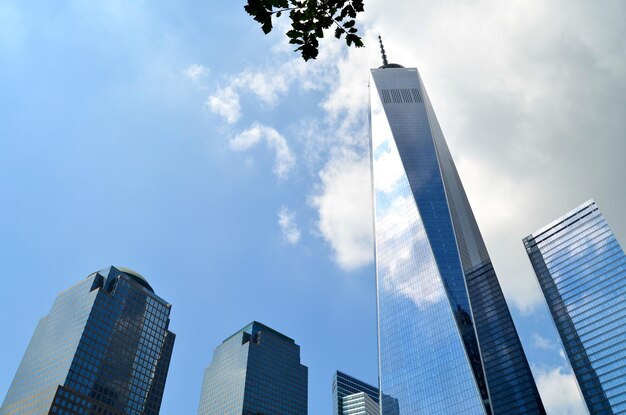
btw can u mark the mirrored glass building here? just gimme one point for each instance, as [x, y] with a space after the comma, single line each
[359, 403]
[447, 343]
[256, 371]
[581, 269]
[352, 396]
[103, 349]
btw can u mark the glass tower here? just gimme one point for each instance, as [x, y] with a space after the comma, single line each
[446, 340]
[359, 403]
[256, 371]
[352, 396]
[581, 269]
[104, 349]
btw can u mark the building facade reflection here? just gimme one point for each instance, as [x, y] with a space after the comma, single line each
[104, 348]
[255, 371]
[447, 343]
[581, 269]
[352, 396]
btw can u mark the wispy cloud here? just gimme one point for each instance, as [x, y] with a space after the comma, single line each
[504, 115]
[559, 391]
[284, 160]
[335, 142]
[269, 83]
[266, 86]
[543, 343]
[225, 102]
[196, 72]
[343, 203]
[288, 226]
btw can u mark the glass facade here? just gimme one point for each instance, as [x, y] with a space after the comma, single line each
[359, 404]
[347, 391]
[581, 269]
[104, 349]
[255, 371]
[447, 343]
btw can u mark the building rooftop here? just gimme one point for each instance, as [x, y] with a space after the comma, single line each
[134, 275]
[256, 326]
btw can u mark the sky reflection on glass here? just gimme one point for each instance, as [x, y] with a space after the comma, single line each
[423, 365]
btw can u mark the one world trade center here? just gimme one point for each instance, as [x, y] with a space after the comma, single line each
[446, 340]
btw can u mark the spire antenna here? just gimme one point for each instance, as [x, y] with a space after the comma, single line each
[382, 51]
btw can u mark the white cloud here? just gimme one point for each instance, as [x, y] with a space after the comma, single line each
[196, 72]
[521, 110]
[225, 102]
[285, 159]
[402, 238]
[268, 83]
[559, 392]
[265, 85]
[288, 226]
[344, 203]
[286, 70]
[498, 201]
[347, 97]
[524, 99]
[543, 343]
[389, 171]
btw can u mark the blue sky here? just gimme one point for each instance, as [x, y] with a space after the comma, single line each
[175, 139]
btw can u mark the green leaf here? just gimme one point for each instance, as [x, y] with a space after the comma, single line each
[254, 7]
[267, 25]
[352, 38]
[309, 20]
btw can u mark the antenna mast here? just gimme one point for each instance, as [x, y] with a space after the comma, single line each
[382, 51]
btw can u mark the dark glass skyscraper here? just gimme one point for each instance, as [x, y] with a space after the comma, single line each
[447, 343]
[104, 349]
[256, 371]
[353, 396]
[581, 269]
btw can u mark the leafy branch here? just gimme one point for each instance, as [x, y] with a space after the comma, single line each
[309, 19]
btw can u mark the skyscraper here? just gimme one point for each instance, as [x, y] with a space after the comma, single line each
[447, 343]
[359, 403]
[352, 396]
[104, 348]
[581, 269]
[256, 371]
